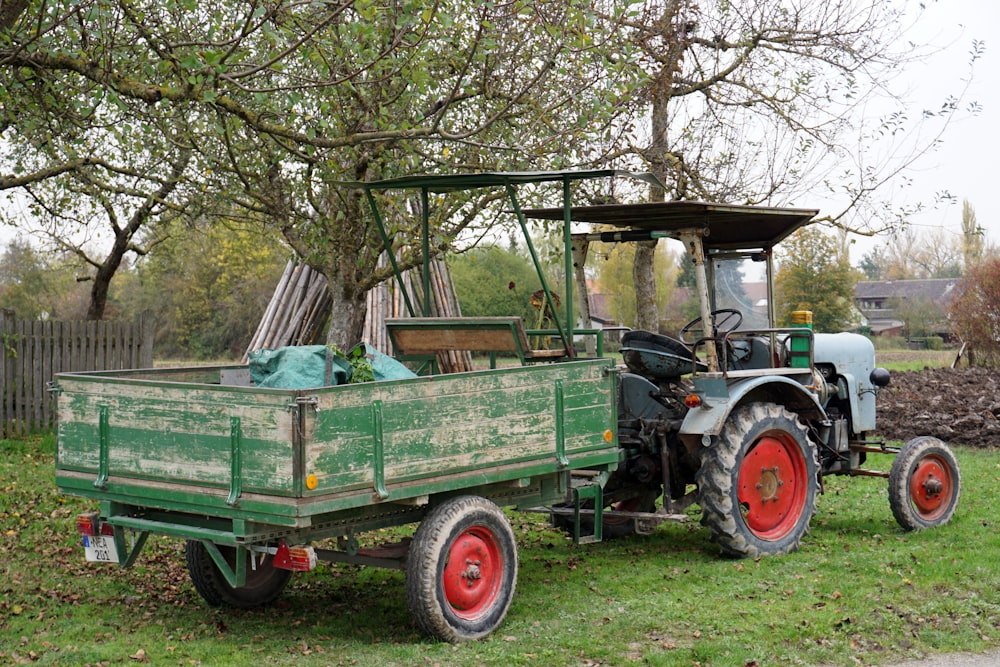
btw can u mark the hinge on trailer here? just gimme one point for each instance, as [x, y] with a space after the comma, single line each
[305, 400]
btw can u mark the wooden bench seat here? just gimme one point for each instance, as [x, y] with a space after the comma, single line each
[422, 338]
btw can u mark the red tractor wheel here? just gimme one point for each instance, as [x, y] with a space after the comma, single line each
[461, 569]
[757, 483]
[924, 484]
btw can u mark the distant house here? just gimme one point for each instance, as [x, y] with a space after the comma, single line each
[885, 304]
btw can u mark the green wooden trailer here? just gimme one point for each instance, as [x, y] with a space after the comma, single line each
[251, 476]
[254, 478]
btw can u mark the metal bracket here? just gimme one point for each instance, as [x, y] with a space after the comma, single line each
[234, 576]
[593, 492]
[104, 445]
[235, 461]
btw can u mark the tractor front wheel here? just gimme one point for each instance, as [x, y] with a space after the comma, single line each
[757, 482]
[461, 569]
[924, 484]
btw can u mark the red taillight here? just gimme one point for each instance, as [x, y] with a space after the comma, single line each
[296, 559]
[87, 523]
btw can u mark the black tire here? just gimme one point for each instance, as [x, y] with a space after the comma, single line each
[612, 528]
[757, 483]
[264, 584]
[924, 484]
[461, 570]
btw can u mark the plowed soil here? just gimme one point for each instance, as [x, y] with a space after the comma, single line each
[960, 406]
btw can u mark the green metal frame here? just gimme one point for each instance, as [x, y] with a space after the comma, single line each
[564, 326]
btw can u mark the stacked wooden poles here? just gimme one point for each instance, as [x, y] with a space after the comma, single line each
[300, 305]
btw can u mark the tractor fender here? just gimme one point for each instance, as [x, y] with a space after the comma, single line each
[712, 415]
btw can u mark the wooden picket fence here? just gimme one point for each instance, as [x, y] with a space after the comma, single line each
[33, 351]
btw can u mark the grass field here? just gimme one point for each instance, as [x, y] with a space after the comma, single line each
[860, 591]
[914, 360]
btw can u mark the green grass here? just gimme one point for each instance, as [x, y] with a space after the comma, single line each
[914, 360]
[859, 591]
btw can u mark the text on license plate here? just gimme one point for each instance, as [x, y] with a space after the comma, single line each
[100, 548]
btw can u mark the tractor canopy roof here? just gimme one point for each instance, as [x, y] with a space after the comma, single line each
[722, 226]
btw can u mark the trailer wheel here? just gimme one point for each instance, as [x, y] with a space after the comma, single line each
[924, 484]
[264, 584]
[461, 569]
[757, 484]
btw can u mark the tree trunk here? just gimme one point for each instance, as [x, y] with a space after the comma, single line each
[644, 277]
[347, 313]
[662, 164]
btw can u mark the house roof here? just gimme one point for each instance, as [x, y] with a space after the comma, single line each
[938, 290]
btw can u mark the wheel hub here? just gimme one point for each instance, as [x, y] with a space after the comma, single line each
[472, 576]
[472, 572]
[772, 487]
[769, 484]
[929, 485]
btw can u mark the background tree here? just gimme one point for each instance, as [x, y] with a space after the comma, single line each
[907, 255]
[35, 285]
[613, 264]
[921, 317]
[974, 312]
[492, 280]
[282, 101]
[814, 273]
[973, 237]
[764, 102]
[205, 304]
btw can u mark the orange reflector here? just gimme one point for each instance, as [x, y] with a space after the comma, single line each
[692, 400]
[296, 559]
[312, 482]
[608, 436]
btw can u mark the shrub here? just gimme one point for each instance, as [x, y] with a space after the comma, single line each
[975, 313]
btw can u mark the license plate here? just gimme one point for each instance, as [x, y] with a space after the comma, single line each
[100, 549]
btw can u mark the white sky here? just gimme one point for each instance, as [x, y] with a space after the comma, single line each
[966, 163]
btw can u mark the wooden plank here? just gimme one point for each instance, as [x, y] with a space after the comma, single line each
[451, 424]
[48, 363]
[177, 433]
[6, 372]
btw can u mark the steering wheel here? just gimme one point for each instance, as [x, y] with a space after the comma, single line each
[730, 321]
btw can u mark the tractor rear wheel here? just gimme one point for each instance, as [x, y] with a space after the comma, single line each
[757, 483]
[461, 569]
[924, 484]
[264, 583]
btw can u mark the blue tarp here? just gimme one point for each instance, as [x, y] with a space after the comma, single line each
[309, 366]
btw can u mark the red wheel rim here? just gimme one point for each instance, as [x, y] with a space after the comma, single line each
[931, 487]
[474, 572]
[772, 486]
